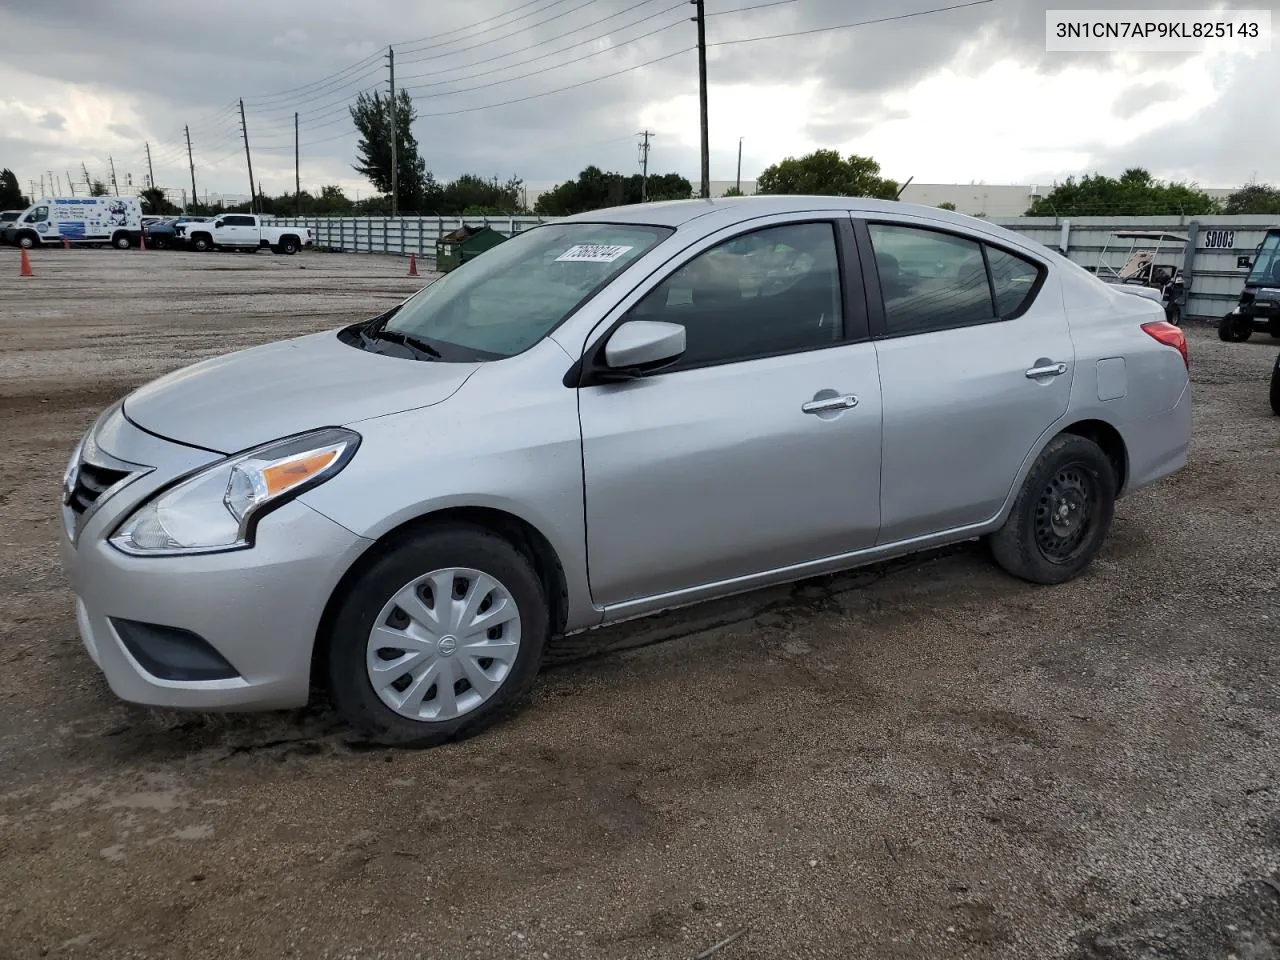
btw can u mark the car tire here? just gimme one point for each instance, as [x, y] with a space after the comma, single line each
[27, 241]
[1273, 327]
[1275, 387]
[1235, 329]
[408, 573]
[1061, 514]
[1173, 314]
[289, 246]
[121, 241]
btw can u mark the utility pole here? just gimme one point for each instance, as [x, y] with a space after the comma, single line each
[71, 184]
[34, 196]
[194, 197]
[51, 183]
[59, 186]
[738, 182]
[297, 175]
[701, 21]
[151, 173]
[244, 128]
[395, 135]
[114, 185]
[88, 184]
[644, 166]
[42, 193]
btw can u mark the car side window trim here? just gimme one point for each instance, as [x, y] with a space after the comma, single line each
[876, 314]
[849, 272]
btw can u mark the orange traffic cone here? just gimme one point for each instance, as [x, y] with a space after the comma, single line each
[413, 264]
[66, 244]
[142, 241]
[26, 270]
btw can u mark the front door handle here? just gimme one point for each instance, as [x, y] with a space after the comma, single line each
[829, 404]
[1046, 369]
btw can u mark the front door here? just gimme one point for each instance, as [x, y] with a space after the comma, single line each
[760, 448]
[976, 362]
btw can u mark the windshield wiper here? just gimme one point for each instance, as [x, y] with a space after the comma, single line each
[417, 344]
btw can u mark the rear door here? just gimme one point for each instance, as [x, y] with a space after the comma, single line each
[976, 362]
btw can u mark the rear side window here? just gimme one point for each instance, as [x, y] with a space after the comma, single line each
[1015, 281]
[930, 280]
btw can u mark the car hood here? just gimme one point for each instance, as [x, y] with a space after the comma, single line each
[242, 399]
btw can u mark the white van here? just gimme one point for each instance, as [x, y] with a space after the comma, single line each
[114, 220]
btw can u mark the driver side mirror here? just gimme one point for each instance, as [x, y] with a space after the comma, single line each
[642, 346]
[217, 223]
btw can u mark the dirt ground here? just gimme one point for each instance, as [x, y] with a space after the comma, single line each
[923, 760]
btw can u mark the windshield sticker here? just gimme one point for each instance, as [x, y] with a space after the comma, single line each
[593, 253]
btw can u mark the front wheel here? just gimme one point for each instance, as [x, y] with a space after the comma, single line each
[1235, 328]
[1275, 387]
[1061, 514]
[202, 245]
[27, 241]
[439, 637]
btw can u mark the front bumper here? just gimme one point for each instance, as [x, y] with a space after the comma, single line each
[259, 608]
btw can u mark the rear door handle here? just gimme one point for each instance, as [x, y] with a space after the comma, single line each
[1046, 370]
[846, 402]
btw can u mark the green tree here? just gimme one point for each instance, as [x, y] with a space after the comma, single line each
[372, 117]
[946, 205]
[732, 192]
[1258, 198]
[1135, 193]
[826, 173]
[473, 196]
[154, 201]
[98, 189]
[594, 189]
[10, 194]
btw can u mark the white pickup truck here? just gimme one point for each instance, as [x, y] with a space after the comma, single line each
[242, 231]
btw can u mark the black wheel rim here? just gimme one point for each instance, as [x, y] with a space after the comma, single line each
[1065, 513]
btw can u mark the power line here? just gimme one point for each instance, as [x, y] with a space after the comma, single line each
[499, 16]
[758, 6]
[314, 83]
[572, 86]
[554, 66]
[534, 46]
[410, 48]
[846, 26]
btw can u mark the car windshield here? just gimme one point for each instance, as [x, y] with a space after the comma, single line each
[1266, 265]
[513, 295]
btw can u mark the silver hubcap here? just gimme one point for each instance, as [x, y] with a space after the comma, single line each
[444, 644]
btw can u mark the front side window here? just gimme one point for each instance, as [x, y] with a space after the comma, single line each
[1266, 266]
[767, 292]
[38, 215]
[930, 280]
[511, 296]
[237, 221]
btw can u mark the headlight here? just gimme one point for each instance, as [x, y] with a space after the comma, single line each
[70, 474]
[218, 507]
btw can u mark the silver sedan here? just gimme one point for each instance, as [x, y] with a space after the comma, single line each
[607, 416]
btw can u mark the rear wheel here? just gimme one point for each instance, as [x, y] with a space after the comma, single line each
[1235, 328]
[438, 638]
[289, 245]
[1275, 387]
[1061, 515]
[121, 241]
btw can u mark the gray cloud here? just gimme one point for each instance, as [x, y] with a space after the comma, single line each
[52, 121]
[1141, 96]
[194, 71]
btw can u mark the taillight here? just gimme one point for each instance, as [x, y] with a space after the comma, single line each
[1170, 336]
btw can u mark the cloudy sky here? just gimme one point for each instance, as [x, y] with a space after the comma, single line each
[954, 97]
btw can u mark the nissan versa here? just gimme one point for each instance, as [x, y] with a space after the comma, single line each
[607, 416]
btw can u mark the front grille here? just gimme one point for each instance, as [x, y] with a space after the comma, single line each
[92, 481]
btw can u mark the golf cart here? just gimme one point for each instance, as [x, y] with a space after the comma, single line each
[1259, 305]
[1153, 261]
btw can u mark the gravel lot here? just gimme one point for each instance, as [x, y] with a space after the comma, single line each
[926, 760]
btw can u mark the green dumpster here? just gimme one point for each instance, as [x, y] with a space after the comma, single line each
[466, 243]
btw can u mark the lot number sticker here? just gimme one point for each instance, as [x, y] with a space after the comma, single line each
[593, 253]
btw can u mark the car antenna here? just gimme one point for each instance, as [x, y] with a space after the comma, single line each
[898, 195]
